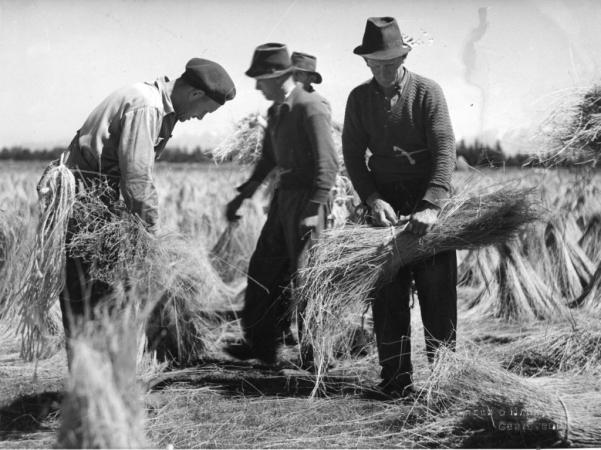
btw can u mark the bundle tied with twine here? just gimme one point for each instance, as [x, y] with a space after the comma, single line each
[467, 386]
[44, 279]
[348, 264]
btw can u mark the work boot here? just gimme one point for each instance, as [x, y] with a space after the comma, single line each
[400, 386]
[243, 350]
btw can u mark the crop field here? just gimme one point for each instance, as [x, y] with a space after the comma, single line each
[526, 371]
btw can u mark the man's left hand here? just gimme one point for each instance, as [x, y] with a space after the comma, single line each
[422, 221]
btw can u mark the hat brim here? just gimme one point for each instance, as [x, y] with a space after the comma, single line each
[264, 76]
[317, 75]
[389, 53]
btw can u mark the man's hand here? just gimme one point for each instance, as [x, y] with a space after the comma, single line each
[422, 221]
[231, 211]
[309, 218]
[382, 213]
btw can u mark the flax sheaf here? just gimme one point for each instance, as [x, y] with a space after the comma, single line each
[348, 264]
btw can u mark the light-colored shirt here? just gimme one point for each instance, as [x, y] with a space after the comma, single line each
[121, 139]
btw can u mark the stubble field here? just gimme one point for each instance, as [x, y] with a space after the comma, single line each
[525, 373]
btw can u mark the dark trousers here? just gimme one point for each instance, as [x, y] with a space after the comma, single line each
[280, 251]
[436, 284]
[435, 281]
[82, 294]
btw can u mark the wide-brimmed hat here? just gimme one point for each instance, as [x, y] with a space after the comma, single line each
[382, 39]
[306, 63]
[269, 61]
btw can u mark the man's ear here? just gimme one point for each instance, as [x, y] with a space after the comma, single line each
[195, 94]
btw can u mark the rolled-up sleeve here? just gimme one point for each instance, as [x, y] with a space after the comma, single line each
[139, 131]
[354, 145]
[318, 128]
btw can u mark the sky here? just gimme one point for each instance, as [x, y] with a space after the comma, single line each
[503, 64]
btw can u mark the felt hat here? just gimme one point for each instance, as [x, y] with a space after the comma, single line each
[306, 63]
[382, 39]
[270, 60]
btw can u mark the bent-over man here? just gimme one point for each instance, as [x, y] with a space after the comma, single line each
[402, 118]
[116, 148]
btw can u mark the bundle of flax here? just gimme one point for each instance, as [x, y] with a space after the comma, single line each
[9, 247]
[43, 279]
[165, 273]
[590, 241]
[347, 264]
[590, 299]
[553, 249]
[565, 347]
[102, 407]
[244, 145]
[231, 253]
[187, 291]
[467, 386]
[514, 291]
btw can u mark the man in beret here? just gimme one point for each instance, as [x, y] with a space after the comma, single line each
[403, 119]
[298, 144]
[116, 147]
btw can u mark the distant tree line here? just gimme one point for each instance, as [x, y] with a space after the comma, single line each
[479, 154]
[171, 155]
[476, 154]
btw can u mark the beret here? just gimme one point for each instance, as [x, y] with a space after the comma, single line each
[211, 78]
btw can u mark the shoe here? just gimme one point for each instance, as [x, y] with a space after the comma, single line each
[243, 350]
[392, 389]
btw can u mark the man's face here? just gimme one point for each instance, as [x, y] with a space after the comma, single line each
[385, 71]
[196, 106]
[270, 87]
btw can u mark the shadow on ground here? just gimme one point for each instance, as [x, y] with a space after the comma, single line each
[27, 414]
[258, 380]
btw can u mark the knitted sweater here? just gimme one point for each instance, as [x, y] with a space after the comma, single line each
[411, 142]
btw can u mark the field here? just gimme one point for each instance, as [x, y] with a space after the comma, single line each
[526, 370]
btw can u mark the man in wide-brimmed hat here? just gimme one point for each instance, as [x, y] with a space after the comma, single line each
[112, 155]
[403, 119]
[298, 144]
[305, 70]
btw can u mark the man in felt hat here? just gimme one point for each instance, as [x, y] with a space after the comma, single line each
[113, 154]
[298, 144]
[403, 119]
[305, 72]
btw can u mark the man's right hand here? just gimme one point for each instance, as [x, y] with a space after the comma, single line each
[382, 212]
[231, 211]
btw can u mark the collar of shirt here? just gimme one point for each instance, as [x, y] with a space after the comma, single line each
[160, 83]
[290, 98]
[398, 84]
